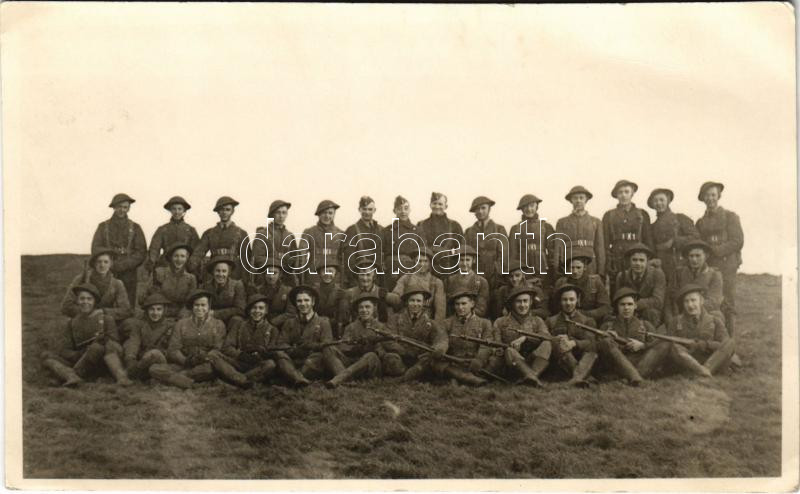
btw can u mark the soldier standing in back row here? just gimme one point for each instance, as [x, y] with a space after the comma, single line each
[325, 241]
[403, 228]
[367, 234]
[275, 241]
[670, 233]
[722, 230]
[623, 226]
[492, 247]
[533, 253]
[439, 224]
[224, 239]
[126, 239]
[177, 231]
[584, 231]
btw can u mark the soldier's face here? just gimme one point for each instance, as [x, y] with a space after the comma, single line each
[711, 197]
[403, 211]
[305, 303]
[439, 206]
[696, 258]
[177, 210]
[516, 277]
[102, 264]
[258, 311]
[482, 213]
[280, 215]
[626, 306]
[660, 202]
[522, 304]
[367, 211]
[221, 272]
[328, 275]
[466, 262]
[155, 312]
[179, 258]
[625, 194]
[225, 212]
[578, 201]
[85, 302]
[200, 307]
[693, 304]
[416, 303]
[365, 310]
[326, 216]
[366, 278]
[577, 267]
[272, 275]
[569, 301]
[463, 306]
[638, 262]
[121, 209]
[424, 264]
[529, 210]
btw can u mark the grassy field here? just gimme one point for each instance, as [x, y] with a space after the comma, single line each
[674, 427]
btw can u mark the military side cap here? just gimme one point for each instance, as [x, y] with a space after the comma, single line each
[121, 198]
[527, 199]
[521, 289]
[303, 289]
[639, 247]
[326, 204]
[670, 196]
[178, 245]
[461, 292]
[623, 183]
[480, 201]
[322, 263]
[580, 254]
[690, 288]
[199, 293]
[415, 286]
[87, 287]
[623, 292]
[566, 288]
[277, 204]
[254, 299]
[218, 259]
[155, 299]
[100, 252]
[177, 200]
[708, 185]
[224, 201]
[695, 244]
[365, 296]
[578, 189]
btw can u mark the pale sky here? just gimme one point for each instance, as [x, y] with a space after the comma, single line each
[308, 102]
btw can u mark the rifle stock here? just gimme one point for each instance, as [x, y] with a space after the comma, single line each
[481, 341]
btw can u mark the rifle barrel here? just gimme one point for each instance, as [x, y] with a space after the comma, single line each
[600, 332]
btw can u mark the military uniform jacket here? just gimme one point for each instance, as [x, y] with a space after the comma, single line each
[279, 307]
[373, 232]
[422, 329]
[250, 336]
[722, 229]
[539, 307]
[707, 277]
[652, 287]
[621, 229]
[330, 299]
[113, 297]
[369, 340]
[433, 226]
[299, 331]
[584, 231]
[274, 236]
[436, 304]
[347, 313]
[220, 240]
[126, 238]
[148, 335]
[391, 239]
[229, 299]
[331, 248]
[505, 326]
[476, 284]
[491, 249]
[672, 226]
[631, 328]
[169, 234]
[82, 327]
[559, 325]
[474, 326]
[705, 327]
[190, 336]
[174, 285]
[539, 249]
[595, 301]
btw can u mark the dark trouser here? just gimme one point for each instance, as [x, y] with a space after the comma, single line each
[140, 369]
[314, 366]
[729, 296]
[367, 365]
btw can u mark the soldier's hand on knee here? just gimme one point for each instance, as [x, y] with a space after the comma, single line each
[517, 344]
[634, 346]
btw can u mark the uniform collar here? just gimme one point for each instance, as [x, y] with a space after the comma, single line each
[465, 319]
[581, 214]
[369, 225]
[629, 207]
[666, 212]
[306, 319]
[174, 221]
[225, 226]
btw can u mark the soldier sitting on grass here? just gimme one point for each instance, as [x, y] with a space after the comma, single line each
[576, 349]
[362, 351]
[464, 322]
[247, 345]
[113, 298]
[149, 337]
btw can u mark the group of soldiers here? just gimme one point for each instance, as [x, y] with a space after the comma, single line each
[481, 305]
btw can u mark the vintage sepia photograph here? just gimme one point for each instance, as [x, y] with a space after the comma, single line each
[442, 247]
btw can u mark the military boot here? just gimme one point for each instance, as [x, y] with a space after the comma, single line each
[583, 369]
[528, 376]
[91, 356]
[165, 374]
[414, 372]
[262, 372]
[464, 376]
[65, 373]
[349, 373]
[115, 366]
[289, 371]
[538, 367]
[622, 365]
[721, 357]
[684, 359]
[230, 374]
